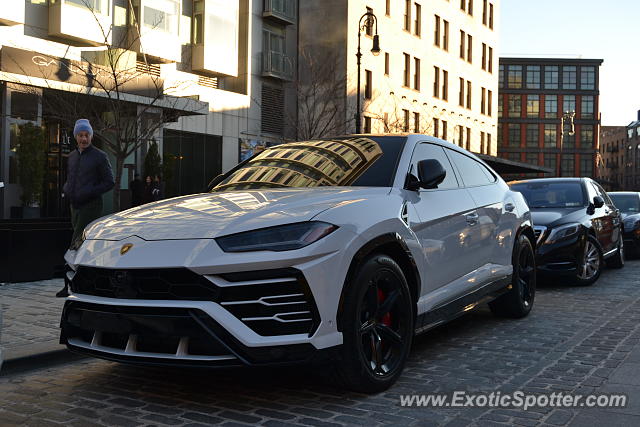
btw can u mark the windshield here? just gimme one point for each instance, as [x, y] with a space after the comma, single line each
[628, 203]
[556, 194]
[361, 161]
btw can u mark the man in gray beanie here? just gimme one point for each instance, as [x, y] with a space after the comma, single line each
[89, 176]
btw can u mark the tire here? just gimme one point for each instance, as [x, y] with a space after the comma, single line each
[378, 326]
[590, 263]
[617, 260]
[518, 301]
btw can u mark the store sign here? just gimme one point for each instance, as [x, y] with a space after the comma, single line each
[35, 64]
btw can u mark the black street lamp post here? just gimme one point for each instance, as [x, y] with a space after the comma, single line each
[567, 116]
[369, 20]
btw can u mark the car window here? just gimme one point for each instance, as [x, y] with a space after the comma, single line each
[551, 194]
[603, 194]
[627, 203]
[473, 172]
[361, 161]
[425, 151]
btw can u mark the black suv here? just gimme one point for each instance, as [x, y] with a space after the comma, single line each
[577, 227]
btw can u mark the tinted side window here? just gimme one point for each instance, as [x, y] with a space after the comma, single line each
[472, 172]
[426, 151]
[602, 194]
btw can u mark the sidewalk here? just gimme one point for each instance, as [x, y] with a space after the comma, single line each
[30, 320]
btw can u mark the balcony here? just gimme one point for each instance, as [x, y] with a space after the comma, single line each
[280, 11]
[277, 65]
[12, 12]
[95, 16]
[155, 34]
[215, 37]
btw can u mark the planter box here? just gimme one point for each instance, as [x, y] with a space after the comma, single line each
[33, 249]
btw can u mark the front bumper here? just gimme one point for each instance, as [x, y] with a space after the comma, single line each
[561, 258]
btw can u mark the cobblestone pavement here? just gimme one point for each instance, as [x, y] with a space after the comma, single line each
[576, 340]
[30, 313]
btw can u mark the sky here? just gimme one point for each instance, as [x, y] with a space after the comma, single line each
[600, 29]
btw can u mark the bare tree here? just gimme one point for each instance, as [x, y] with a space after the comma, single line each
[111, 81]
[320, 90]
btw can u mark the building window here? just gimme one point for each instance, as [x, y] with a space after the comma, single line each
[586, 165]
[489, 102]
[445, 35]
[488, 143]
[482, 101]
[484, 12]
[533, 77]
[436, 32]
[368, 89]
[587, 78]
[514, 76]
[444, 129]
[586, 110]
[369, 24]
[387, 10]
[469, 139]
[533, 105]
[469, 48]
[569, 77]
[416, 74]
[470, 8]
[550, 161]
[463, 5]
[484, 56]
[550, 135]
[500, 105]
[445, 85]
[481, 142]
[551, 77]
[463, 38]
[568, 165]
[550, 106]
[468, 95]
[436, 127]
[406, 120]
[461, 135]
[491, 15]
[416, 122]
[436, 82]
[386, 63]
[407, 15]
[514, 135]
[533, 134]
[407, 70]
[461, 94]
[515, 106]
[367, 124]
[500, 76]
[586, 136]
[490, 64]
[418, 20]
[569, 103]
[569, 141]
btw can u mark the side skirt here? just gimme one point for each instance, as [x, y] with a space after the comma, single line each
[460, 306]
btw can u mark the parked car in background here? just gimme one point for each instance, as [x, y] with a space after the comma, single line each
[340, 248]
[628, 202]
[577, 227]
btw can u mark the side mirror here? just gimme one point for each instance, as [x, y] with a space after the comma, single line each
[598, 202]
[430, 173]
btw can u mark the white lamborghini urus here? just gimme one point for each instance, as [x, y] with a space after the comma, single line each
[338, 249]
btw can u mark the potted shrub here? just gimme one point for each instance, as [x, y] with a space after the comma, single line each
[31, 156]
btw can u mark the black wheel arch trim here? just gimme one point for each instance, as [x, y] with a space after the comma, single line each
[371, 247]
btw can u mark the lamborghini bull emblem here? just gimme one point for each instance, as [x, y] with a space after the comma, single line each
[125, 248]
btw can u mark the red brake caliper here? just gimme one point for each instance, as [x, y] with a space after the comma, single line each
[386, 319]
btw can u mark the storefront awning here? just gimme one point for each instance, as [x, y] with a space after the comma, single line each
[504, 166]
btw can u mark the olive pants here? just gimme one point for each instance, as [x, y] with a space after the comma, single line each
[82, 216]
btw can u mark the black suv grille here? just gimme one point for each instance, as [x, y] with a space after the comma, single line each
[270, 302]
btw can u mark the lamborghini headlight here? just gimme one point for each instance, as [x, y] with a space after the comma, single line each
[280, 238]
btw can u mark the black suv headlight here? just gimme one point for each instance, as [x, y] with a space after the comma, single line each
[563, 232]
[280, 238]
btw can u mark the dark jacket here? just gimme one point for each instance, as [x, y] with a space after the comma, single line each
[89, 175]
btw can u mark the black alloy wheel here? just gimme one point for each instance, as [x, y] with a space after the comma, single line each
[518, 301]
[377, 321]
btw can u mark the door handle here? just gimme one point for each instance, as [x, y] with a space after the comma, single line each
[472, 218]
[509, 207]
